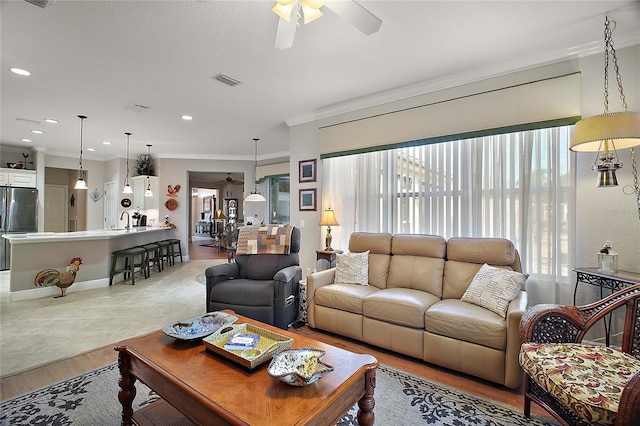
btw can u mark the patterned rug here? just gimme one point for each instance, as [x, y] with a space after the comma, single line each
[401, 400]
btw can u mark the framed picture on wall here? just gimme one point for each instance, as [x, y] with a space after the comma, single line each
[307, 171]
[206, 204]
[308, 199]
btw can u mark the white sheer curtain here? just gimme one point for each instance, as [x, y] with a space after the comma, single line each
[517, 186]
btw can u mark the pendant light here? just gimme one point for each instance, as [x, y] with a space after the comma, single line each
[127, 188]
[255, 196]
[148, 192]
[81, 184]
[604, 134]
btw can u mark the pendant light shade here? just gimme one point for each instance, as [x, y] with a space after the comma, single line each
[148, 192]
[127, 188]
[255, 196]
[81, 184]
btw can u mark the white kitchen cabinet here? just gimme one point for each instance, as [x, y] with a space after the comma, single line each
[139, 187]
[17, 177]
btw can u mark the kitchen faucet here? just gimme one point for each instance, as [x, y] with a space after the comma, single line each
[127, 213]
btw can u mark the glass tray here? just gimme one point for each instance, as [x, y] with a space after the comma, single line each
[270, 343]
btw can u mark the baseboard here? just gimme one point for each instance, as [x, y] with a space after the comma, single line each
[40, 292]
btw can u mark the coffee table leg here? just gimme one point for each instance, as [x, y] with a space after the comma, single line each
[367, 403]
[127, 388]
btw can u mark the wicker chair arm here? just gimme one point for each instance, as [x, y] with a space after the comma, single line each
[629, 406]
[551, 324]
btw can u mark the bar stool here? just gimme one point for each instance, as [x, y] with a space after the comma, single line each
[129, 255]
[172, 249]
[151, 257]
[165, 252]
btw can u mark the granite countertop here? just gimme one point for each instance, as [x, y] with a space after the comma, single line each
[94, 234]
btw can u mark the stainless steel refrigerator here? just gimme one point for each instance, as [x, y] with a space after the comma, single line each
[18, 215]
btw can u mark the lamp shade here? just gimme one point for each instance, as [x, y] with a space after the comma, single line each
[329, 218]
[255, 198]
[219, 215]
[623, 128]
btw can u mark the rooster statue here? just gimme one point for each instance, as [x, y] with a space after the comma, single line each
[62, 280]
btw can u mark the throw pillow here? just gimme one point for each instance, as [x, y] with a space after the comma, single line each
[352, 268]
[493, 288]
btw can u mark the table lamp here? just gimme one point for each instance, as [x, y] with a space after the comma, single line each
[328, 219]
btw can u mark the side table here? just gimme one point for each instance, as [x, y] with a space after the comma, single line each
[328, 255]
[613, 281]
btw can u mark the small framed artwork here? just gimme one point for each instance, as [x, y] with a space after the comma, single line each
[206, 204]
[308, 199]
[307, 171]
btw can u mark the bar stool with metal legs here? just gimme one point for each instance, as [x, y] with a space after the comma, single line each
[133, 257]
[165, 252]
[151, 257]
[175, 253]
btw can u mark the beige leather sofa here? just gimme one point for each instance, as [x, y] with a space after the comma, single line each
[412, 303]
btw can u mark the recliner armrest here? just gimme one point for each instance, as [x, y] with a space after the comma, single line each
[222, 272]
[287, 274]
[315, 281]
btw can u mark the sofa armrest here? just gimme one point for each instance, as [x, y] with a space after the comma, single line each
[517, 308]
[315, 281]
[218, 273]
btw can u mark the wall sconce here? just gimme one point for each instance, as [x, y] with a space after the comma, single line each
[81, 184]
[328, 219]
[127, 188]
[603, 133]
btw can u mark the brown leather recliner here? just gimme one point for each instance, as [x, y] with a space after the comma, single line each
[259, 286]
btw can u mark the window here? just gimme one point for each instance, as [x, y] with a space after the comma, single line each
[279, 200]
[516, 186]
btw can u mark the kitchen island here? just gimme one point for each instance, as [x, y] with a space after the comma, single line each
[31, 253]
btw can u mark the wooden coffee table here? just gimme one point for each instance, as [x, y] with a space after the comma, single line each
[203, 388]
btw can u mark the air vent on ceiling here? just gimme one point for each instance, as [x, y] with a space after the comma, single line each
[41, 3]
[227, 80]
[137, 107]
[28, 120]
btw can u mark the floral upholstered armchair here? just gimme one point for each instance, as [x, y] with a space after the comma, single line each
[582, 384]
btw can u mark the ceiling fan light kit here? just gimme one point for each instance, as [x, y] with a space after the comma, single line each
[290, 12]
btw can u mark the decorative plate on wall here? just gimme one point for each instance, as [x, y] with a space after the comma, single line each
[125, 202]
[171, 204]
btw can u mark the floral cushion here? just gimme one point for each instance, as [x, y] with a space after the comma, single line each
[588, 379]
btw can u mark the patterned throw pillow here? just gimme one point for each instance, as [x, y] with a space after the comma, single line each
[493, 288]
[352, 268]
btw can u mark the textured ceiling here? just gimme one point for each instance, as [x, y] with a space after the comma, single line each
[97, 57]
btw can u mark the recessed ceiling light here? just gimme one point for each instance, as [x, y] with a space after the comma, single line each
[106, 143]
[26, 140]
[51, 121]
[20, 71]
[37, 132]
[187, 117]
[91, 149]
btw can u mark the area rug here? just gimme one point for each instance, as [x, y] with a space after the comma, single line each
[401, 400]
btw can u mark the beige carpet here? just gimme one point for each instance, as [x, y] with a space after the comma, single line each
[36, 332]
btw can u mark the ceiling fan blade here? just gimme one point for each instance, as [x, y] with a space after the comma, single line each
[285, 34]
[357, 15]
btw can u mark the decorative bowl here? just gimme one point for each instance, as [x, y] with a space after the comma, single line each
[299, 367]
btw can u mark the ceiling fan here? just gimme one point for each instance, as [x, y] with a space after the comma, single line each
[290, 12]
[229, 181]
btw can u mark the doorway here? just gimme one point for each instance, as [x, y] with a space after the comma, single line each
[56, 218]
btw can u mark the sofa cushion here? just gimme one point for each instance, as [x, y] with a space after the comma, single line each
[589, 379]
[493, 288]
[402, 306]
[379, 247]
[494, 251]
[352, 268]
[464, 321]
[345, 297]
[417, 262]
